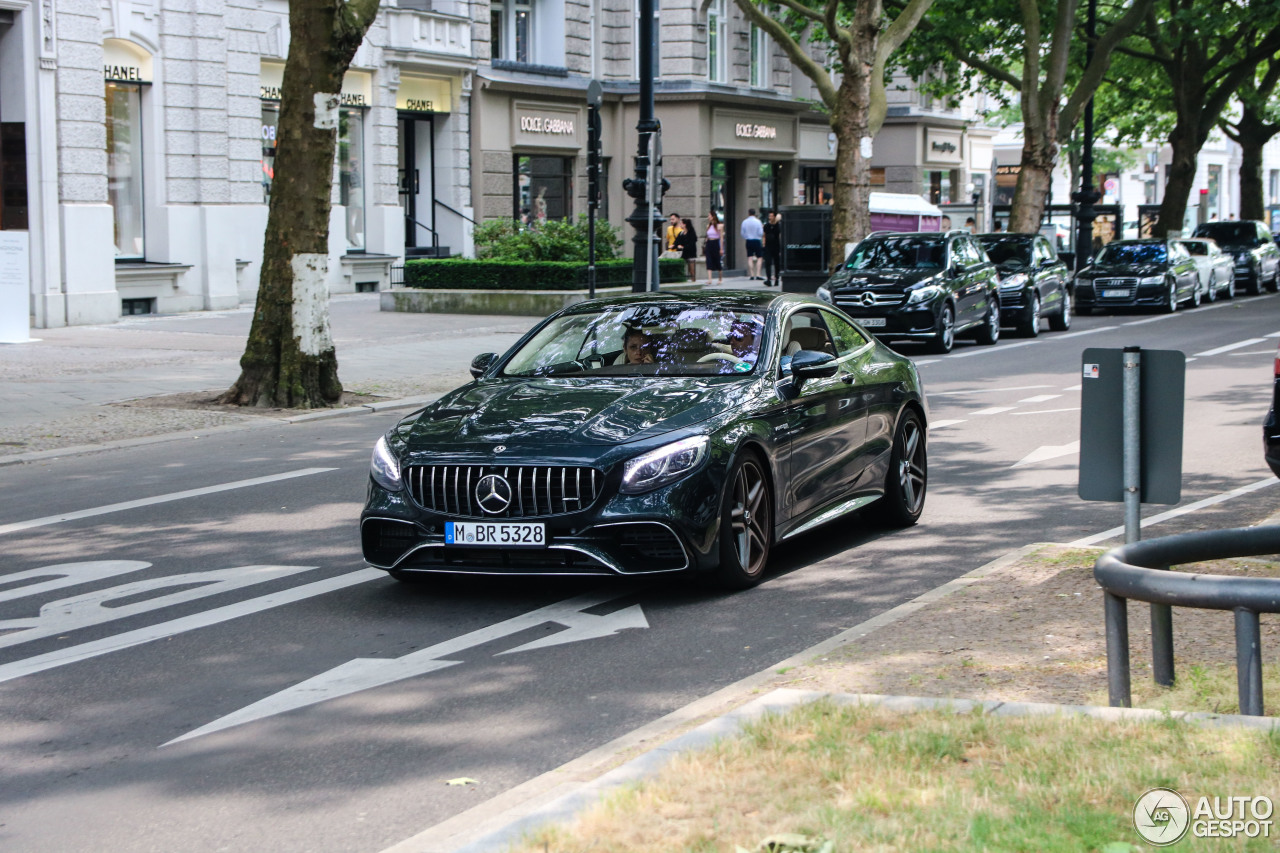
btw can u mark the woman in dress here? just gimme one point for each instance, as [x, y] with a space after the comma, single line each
[713, 249]
[687, 246]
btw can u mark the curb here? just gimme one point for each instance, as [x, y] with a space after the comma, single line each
[255, 423]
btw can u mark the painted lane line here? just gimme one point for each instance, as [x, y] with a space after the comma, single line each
[1267, 352]
[1182, 510]
[933, 394]
[158, 499]
[1048, 411]
[1084, 332]
[994, 410]
[941, 424]
[923, 362]
[1044, 454]
[84, 651]
[1073, 388]
[1273, 335]
[1040, 398]
[1149, 320]
[985, 350]
[1230, 347]
[361, 674]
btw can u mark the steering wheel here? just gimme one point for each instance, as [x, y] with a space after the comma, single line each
[719, 356]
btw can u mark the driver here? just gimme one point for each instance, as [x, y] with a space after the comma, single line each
[744, 340]
[637, 347]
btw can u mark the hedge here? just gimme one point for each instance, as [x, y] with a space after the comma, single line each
[465, 274]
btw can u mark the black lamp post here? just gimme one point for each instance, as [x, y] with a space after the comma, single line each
[638, 187]
[1087, 196]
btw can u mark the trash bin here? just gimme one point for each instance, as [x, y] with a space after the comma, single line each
[806, 246]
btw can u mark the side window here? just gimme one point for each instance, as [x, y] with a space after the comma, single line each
[1264, 233]
[847, 338]
[805, 330]
[968, 253]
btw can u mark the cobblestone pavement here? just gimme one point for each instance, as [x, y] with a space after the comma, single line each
[65, 388]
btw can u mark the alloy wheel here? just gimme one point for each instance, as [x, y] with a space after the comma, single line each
[1031, 328]
[749, 518]
[912, 467]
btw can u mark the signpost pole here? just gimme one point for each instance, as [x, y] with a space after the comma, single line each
[1132, 361]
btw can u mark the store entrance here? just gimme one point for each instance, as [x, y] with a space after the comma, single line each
[418, 186]
[722, 202]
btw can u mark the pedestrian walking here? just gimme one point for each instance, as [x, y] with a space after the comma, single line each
[673, 228]
[773, 249]
[713, 247]
[687, 245]
[752, 231]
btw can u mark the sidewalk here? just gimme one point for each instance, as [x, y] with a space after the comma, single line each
[61, 390]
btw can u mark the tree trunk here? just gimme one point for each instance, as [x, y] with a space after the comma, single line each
[1182, 176]
[850, 214]
[1039, 151]
[1252, 133]
[289, 360]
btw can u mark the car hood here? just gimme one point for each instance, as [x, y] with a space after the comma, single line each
[889, 279]
[1131, 270]
[566, 411]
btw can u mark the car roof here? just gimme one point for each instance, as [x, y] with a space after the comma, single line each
[1006, 234]
[728, 299]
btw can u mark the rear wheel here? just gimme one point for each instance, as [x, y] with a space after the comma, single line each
[1230, 291]
[1030, 325]
[1211, 295]
[945, 332]
[908, 478]
[989, 333]
[746, 525]
[1195, 295]
[1061, 321]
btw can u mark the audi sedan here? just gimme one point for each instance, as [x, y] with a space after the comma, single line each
[1138, 273]
[649, 435]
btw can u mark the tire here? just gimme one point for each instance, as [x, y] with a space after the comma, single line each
[907, 480]
[1030, 325]
[1170, 304]
[1230, 292]
[1194, 301]
[1274, 284]
[746, 525]
[946, 331]
[1254, 287]
[989, 332]
[1061, 321]
[1211, 295]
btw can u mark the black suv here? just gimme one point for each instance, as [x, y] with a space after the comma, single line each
[1034, 283]
[921, 286]
[1249, 242]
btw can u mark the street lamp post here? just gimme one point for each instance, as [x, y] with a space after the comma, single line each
[643, 216]
[1087, 196]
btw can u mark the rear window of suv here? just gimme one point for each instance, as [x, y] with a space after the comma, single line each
[1238, 233]
[899, 253]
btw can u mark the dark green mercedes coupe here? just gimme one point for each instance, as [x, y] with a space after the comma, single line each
[644, 435]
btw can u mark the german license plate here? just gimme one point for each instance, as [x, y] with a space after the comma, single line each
[1115, 294]
[873, 322]
[495, 534]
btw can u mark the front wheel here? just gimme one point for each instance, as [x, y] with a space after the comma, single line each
[1211, 295]
[1230, 291]
[990, 331]
[1030, 325]
[746, 525]
[1171, 299]
[1061, 321]
[945, 334]
[908, 477]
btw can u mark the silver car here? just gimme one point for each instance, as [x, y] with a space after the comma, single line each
[1215, 267]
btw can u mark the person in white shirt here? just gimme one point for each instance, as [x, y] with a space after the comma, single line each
[753, 238]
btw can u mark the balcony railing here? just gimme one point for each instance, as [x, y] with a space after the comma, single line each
[428, 32]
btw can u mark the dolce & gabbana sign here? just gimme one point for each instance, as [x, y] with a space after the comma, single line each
[545, 126]
[755, 131]
[766, 134]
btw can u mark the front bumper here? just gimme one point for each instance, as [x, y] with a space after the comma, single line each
[896, 319]
[1103, 293]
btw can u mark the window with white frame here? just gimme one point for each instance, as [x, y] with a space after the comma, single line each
[511, 30]
[717, 41]
[655, 36]
[759, 58]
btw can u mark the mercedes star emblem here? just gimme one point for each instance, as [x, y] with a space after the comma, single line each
[868, 299]
[493, 493]
[501, 448]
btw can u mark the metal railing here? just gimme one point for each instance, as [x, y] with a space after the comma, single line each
[1140, 571]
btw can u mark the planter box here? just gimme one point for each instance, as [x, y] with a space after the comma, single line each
[522, 303]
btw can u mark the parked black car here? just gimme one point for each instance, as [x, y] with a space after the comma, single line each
[652, 434]
[1138, 273]
[1034, 283]
[919, 286]
[1249, 242]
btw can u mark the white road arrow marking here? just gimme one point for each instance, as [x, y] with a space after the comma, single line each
[1044, 454]
[366, 673]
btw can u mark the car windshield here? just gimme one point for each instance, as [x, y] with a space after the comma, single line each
[899, 253]
[668, 339]
[1008, 251]
[1229, 232]
[1134, 253]
[1197, 247]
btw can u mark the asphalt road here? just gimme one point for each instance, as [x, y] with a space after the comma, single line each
[95, 687]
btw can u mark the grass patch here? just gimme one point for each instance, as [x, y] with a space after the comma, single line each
[841, 777]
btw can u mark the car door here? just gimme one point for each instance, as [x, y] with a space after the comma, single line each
[825, 421]
[1184, 270]
[1046, 276]
[875, 392]
[969, 289]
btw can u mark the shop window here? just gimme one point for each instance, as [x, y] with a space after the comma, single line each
[819, 184]
[124, 167]
[13, 176]
[543, 189]
[759, 58]
[270, 124]
[939, 182]
[770, 175]
[351, 178]
[717, 41]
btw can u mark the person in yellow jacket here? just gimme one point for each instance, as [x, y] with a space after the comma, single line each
[673, 230]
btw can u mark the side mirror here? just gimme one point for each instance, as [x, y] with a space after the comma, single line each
[811, 364]
[481, 363]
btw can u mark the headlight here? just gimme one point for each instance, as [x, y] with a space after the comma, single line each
[663, 466]
[385, 468]
[1151, 279]
[923, 294]
[1013, 282]
[823, 293]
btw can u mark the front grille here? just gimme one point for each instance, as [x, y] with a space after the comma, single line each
[1115, 282]
[536, 490]
[879, 299]
[649, 547]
